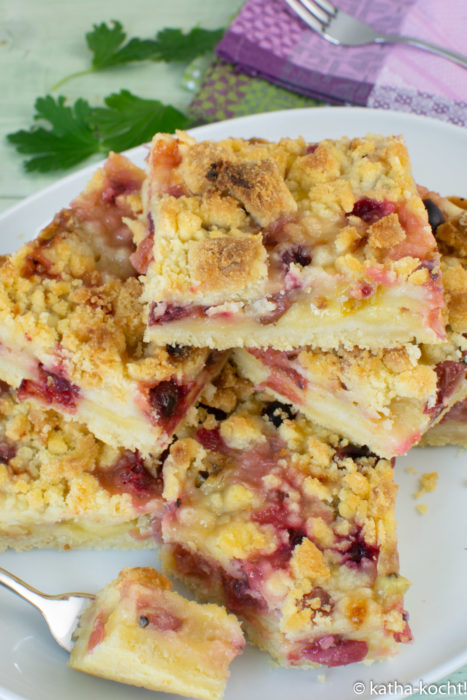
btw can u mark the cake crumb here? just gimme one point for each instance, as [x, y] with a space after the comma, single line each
[421, 508]
[428, 482]
[322, 678]
[410, 470]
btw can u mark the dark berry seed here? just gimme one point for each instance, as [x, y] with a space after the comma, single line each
[214, 171]
[354, 452]
[7, 451]
[201, 477]
[218, 413]
[435, 215]
[277, 412]
[178, 351]
[359, 549]
[164, 398]
[143, 621]
[300, 255]
[295, 536]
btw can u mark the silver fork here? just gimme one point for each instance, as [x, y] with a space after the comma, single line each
[343, 30]
[61, 612]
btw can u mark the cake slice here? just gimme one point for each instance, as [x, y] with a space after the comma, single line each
[62, 488]
[386, 399]
[260, 244]
[71, 323]
[292, 528]
[383, 399]
[139, 631]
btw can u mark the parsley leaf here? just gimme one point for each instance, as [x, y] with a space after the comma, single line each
[79, 131]
[174, 45]
[129, 120]
[105, 42]
[70, 140]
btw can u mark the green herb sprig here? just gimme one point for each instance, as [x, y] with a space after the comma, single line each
[65, 135]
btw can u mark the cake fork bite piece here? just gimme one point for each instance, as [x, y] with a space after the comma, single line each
[138, 631]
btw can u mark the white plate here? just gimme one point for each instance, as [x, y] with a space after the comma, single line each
[432, 547]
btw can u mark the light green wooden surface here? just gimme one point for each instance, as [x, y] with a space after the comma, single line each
[41, 41]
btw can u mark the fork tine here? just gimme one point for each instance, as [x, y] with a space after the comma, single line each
[317, 11]
[327, 7]
[306, 15]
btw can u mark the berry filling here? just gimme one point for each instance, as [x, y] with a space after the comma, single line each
[457, 412]
[331, 650]
[169, 401]
[143, 255]
[435, 215]
[159, 618]
[280, 361]
[283, 301]
[51, 388]
[104, 208]
[211, 439]
[7, 451]
[358, 550]
[162, 312]
[165, 157]
[164, 398]
[450, 374]
[299, 255]
[370, 210]
[239, 596]
[129, 475]
[98, 632]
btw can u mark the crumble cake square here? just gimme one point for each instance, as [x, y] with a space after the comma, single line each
[291, 527]
[138, 631]
[71, 323]
[60, 487]
[385, 399]
[261, 244]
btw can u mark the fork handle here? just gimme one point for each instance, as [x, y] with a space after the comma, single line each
[18, 586]
[421, 44]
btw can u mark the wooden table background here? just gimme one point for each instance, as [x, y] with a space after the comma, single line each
[41, 41]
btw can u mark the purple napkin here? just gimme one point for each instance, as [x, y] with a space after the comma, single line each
[267, 39]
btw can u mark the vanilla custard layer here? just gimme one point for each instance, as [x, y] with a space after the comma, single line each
[388, 320]
[29, 530]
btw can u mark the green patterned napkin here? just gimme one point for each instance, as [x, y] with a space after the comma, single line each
[223, 94]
